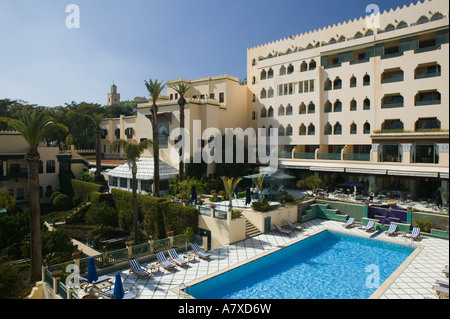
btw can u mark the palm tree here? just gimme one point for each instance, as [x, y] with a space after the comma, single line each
[97, 120]
[155, 88]
[34, 127]
[132, 152]
[181, 89]
[230, 184]
[259, 181]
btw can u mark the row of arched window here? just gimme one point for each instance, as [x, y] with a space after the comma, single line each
[336, 129]
[357, 35]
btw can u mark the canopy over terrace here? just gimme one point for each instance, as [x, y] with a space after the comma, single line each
[271, 177]
[145, 173]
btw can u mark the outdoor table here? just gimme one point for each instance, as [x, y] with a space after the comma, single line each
[103, 285]
[152, 267]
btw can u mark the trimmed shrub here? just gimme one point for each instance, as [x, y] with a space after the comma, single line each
[82, 191]
[178, 217]
[101, 214]
[261, 206]
[54, 194]
[61, 201]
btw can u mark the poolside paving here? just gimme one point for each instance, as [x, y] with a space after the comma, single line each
[415, 282]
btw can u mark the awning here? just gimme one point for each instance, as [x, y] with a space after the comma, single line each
[443, 175]
[412, 174]
[328, 169]
[366, 171]
[145, 170]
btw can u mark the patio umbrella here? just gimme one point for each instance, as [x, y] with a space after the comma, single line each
[118, 287]
[92, 271]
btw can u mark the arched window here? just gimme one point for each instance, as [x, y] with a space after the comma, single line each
[353, 105]
[366, 105]
[311, 129]
[422, 19]
[263, 112]
[312, 65]
[337, 83]
[270, 73]
[337, 129]
[290, 69]
[254, 62]
[327, 85]
[270, 112]
[270, 92]
[302, 129]
[50, 166]
[283, 70]
[281, 130]
[289, 130]
[401, 25]
[390, 125]
[366, 80]
[311, 108]
[303, 67]
[389, 27]
[358, 35]
[289, 109]
[281, 110]
[431, 123]
[337, 107]
[328, 107]
[253, 80]
[368, 33]
[328, 129]
[253, 115]
[366, 128]
[263, 93]
[437, 16]
[353, 128]
[263, 75]
[353, 81]
[302, 108]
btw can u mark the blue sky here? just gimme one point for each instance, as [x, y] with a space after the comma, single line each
[43, 62]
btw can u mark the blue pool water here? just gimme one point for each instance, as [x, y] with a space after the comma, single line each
[329, 265]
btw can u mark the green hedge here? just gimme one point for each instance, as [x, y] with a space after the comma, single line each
[158, 215]
[82, 191]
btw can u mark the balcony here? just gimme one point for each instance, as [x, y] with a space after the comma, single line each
[427, 49]
[357, 157]
[427, 75]
[329, 156]
[17, 173]
[429, 102]
[392, 105]
[305, 155]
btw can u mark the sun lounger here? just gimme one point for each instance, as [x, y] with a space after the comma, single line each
[282, 230]
[109, 294]
[349, 222]
[443, 283]
[293, 226]
[442, 292]
[199, 252]
[392, 229]
[162, 260]
[369, 225]
[414, 234]
[176, 259]
[445, 271]
[138, 269]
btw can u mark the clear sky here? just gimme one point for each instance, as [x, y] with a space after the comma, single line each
[128, 41]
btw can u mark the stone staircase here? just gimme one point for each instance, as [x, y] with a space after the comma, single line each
[250, 229]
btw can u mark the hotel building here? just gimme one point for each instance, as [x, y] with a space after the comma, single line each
[366, 98]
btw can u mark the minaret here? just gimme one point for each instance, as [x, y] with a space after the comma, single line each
[113, 97]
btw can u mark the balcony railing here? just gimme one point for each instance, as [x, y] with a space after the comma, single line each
[427, 49]
[391, 55]
[398, 78]
[360, 61]
[427, 75]
[305, 155]
[357, 157]
[391, 105]
[329, 156]
[284, 154]
[429, 102]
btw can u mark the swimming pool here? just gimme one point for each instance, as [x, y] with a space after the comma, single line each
[328, 265]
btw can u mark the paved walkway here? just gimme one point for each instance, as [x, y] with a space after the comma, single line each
[416, 281]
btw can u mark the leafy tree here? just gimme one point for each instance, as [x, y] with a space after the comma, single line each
[259, 182]
[132, 152]
[155, 88]
[181, 89]
[34, 127]
[311, 182]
